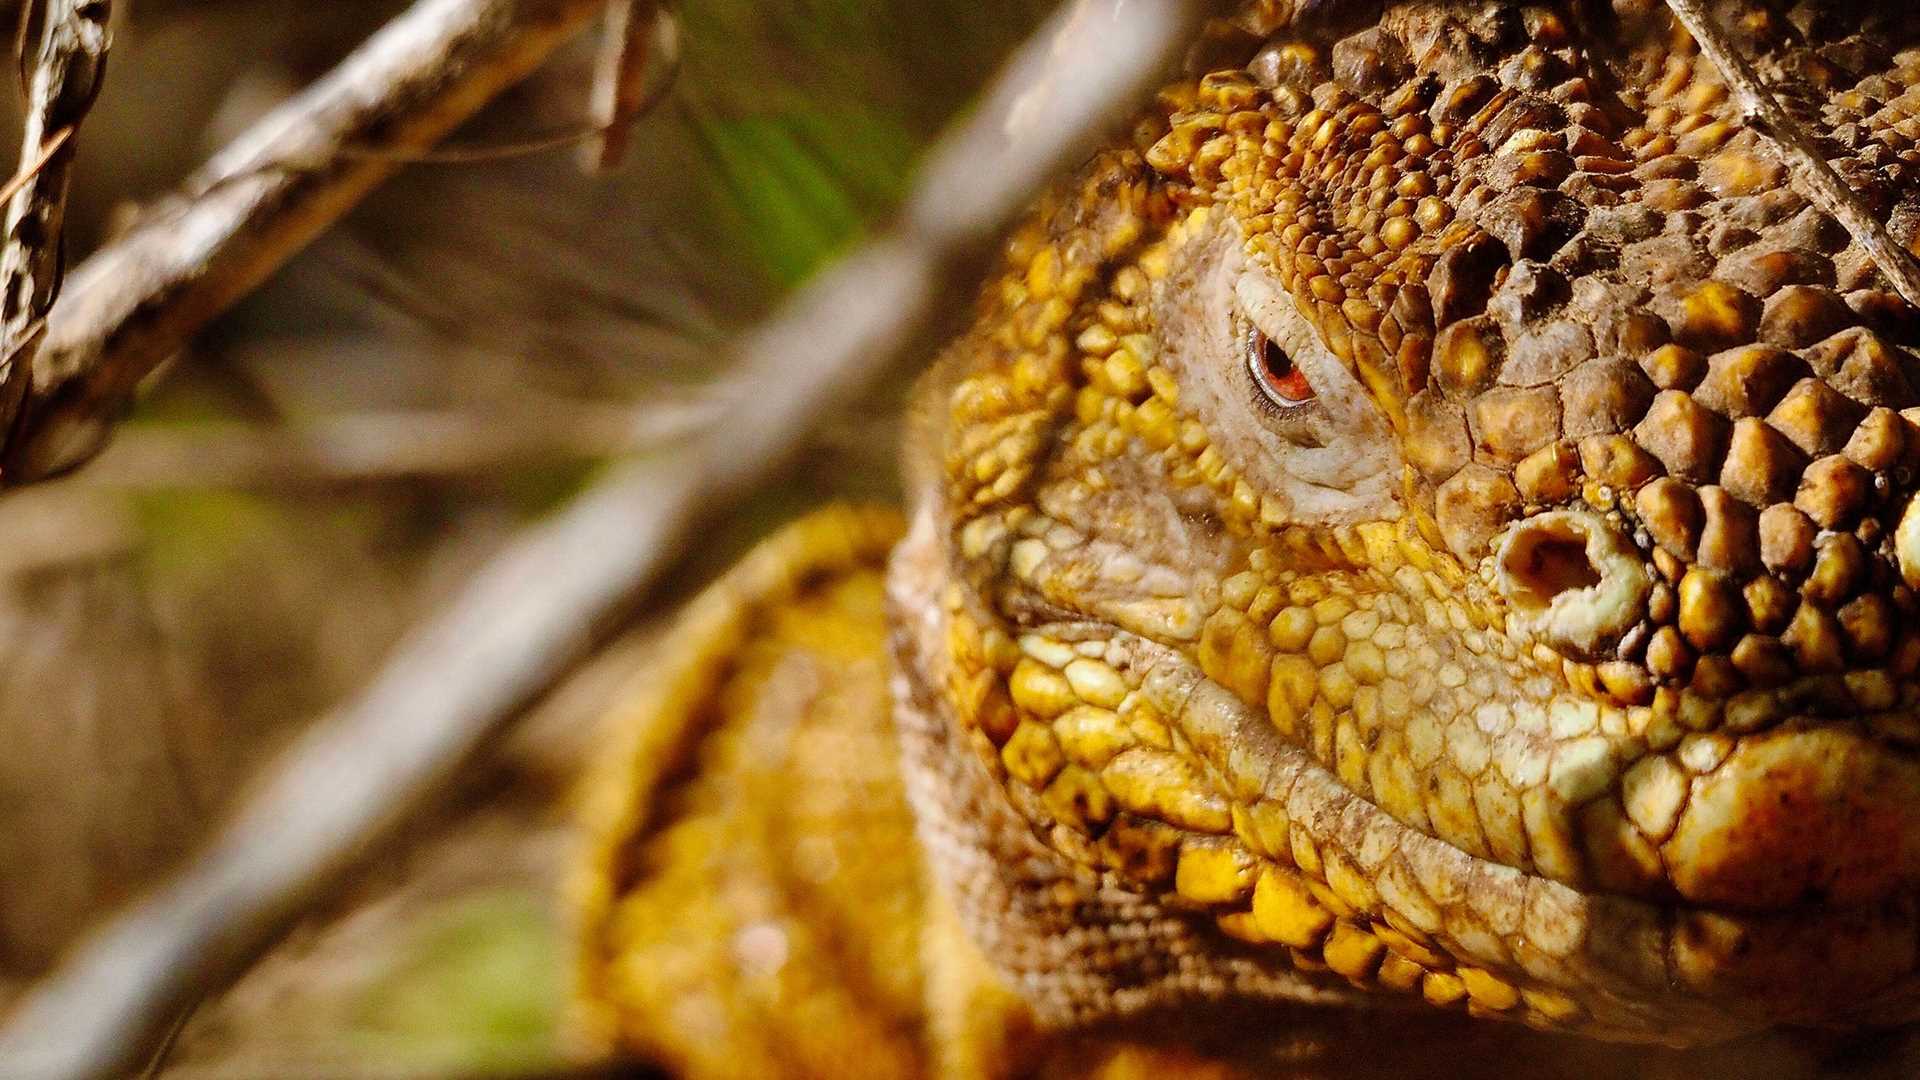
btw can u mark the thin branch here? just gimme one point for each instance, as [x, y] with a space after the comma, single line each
[171, 1038]
[362, 447]
[633, 30]
[20, 179]
[136, 302]
[455, 684]
[1807, 168]
[63, 53]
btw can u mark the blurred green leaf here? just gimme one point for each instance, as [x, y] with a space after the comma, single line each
[810, 114]
[191, 533]
[477, 991]
[797, 188]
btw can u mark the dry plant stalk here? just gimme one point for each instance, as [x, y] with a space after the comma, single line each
[620, 76]
[1807, 169]
[377, 447]
[536, 608]
[63, 56]
[133, 304]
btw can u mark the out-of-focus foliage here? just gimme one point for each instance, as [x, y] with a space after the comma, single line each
[792, 127]
[810, 113]
[815, 202]
[477, 979]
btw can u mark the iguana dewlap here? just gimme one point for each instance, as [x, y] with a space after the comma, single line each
[1426, 524]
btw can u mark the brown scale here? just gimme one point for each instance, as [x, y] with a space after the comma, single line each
[1728, 370]
[1569, 284]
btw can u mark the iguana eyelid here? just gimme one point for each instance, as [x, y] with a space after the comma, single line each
[1361, 426]
[1332, 459]
[1271, 310]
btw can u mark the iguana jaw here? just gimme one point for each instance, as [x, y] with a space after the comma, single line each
[1606, 965]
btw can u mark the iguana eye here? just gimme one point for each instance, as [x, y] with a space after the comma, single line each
[1274, 372]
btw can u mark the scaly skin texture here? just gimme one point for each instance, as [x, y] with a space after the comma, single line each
[745, 919]
[1550, 657]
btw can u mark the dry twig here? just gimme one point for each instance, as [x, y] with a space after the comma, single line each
[136, 302]
[362, 447]
[634, 28]
[1807, 168]
[25, 176]
[533, 611]
[63, 55]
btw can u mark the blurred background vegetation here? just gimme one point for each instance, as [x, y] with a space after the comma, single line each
[169, 618]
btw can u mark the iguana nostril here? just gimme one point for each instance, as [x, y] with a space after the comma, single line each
[1546, 562]
[1573, 580]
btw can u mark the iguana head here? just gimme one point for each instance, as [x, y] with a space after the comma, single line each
[1435, 507]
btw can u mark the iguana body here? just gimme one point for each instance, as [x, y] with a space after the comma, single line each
[1422, 531]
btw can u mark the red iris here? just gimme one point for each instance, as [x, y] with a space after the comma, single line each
[1274, 371]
